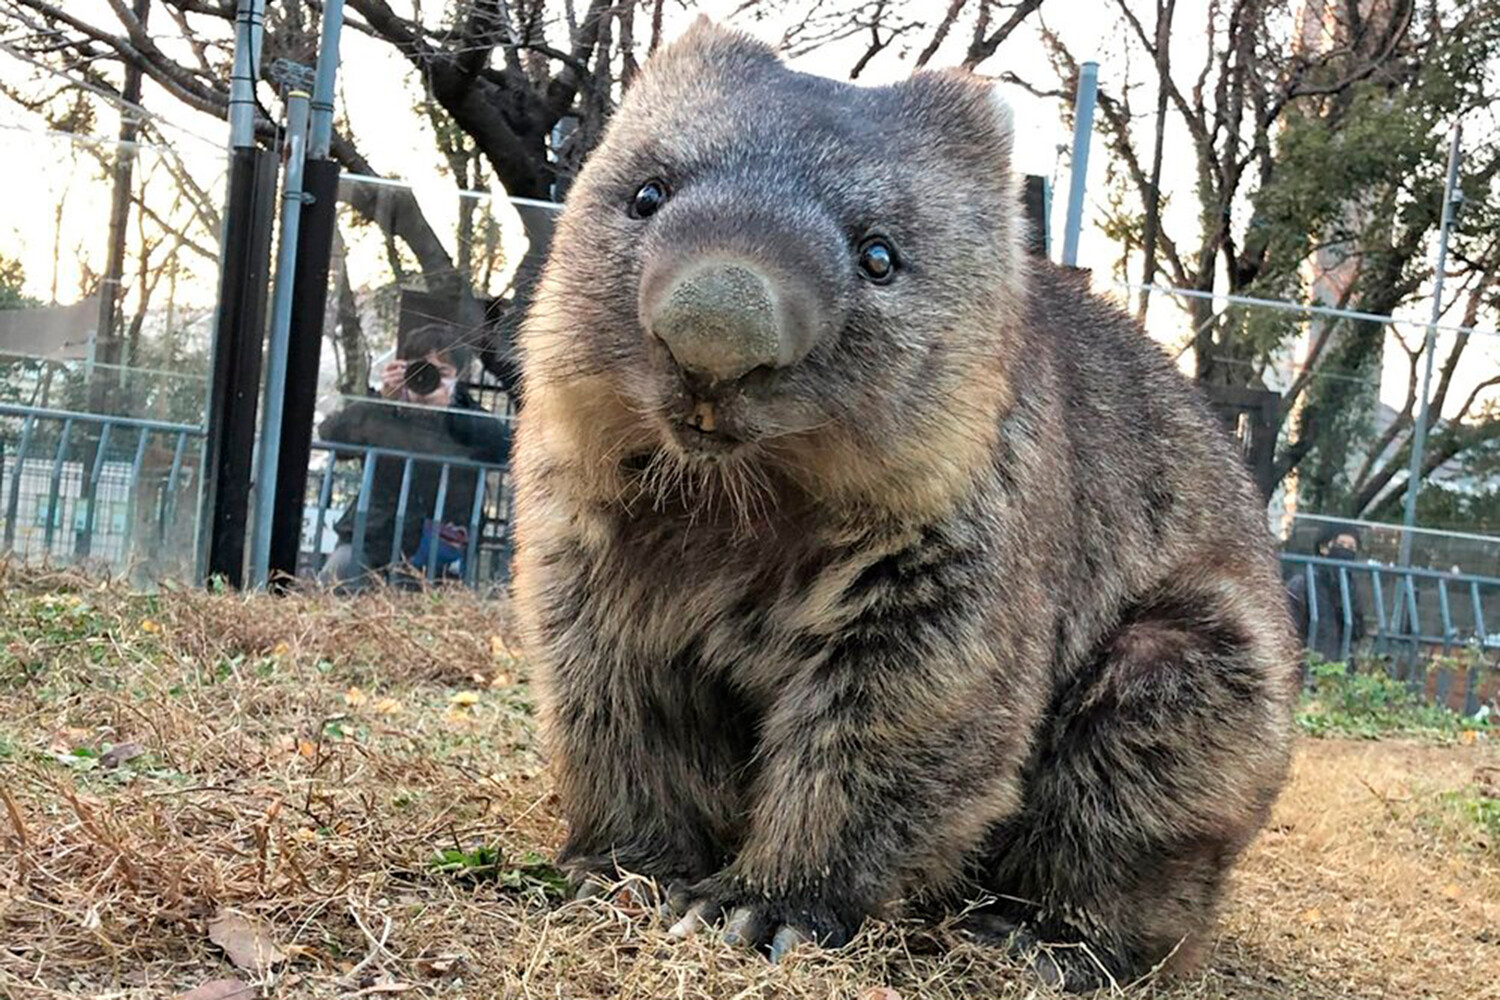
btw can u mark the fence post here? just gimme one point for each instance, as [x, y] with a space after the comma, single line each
[1451, 199]
[320, 185]
[277, 347]
[1083, 131]
[240, 320]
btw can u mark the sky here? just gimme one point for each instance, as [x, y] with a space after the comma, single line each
[375, 79]
[378, 88]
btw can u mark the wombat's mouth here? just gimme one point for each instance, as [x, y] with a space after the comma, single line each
[699, 443]
[705, 427]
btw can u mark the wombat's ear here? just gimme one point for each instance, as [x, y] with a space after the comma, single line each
[706, 39]
[971, 108]
[1005, 117]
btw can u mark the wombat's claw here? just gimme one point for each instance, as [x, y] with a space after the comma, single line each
[588, 889]
[1065, 968]
[747, 926]
[752, 928]
[785, 940]
[764, 925]
[631, 887]
[690, 922]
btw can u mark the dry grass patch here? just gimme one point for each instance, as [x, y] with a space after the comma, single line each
[329, 798]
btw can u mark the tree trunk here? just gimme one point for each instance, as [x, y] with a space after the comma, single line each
[350, 341]
[1164, 12]
[107, 352]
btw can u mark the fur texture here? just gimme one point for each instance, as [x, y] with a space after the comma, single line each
[972, 600]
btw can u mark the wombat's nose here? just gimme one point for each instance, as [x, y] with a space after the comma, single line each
[721, 320]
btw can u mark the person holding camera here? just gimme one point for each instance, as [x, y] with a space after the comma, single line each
[1326, 636]
[425, 409]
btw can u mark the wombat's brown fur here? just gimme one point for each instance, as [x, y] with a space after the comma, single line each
[935, 582]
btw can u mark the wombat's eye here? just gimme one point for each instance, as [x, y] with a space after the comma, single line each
[877, 259]
[652, 195]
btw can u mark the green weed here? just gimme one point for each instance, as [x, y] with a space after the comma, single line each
[531, 871]
[1368, 703]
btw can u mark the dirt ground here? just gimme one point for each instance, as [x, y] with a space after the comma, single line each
[213, 796]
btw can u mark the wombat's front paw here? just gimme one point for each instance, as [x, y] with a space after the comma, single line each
[1072, 968]
[771, 923]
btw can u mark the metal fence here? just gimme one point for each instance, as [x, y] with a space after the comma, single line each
[483, 559]
[110, 490]
[122, 494]
[1438, 631]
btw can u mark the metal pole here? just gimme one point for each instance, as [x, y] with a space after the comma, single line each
[320, 186]
[320, 135]
[249, 22]
[281, 317]
[1083, 131]
[239, 322]
[1452, 196]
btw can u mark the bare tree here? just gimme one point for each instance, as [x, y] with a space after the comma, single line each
[1312, 135]
[515, 90]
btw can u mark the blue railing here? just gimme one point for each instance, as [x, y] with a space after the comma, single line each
[1412, 613]
[67, 467]
[123, 492]
[486, 555]
[1405, 602]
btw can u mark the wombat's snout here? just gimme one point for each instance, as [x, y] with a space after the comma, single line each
[721, 319]
[728, 292]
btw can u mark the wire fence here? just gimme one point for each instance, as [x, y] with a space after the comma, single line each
[1327, 400]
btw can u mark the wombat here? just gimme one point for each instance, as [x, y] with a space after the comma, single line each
[864, 559]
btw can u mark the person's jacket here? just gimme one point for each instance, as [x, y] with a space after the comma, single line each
[1327, 637]
[463, 429]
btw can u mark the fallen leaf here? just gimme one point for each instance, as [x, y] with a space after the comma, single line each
[354, 697]
[1312, 916]
[305, 834]
[150, 626]
[439, 965]
[498, 649]
[463, 699]
[281, 649]
[119, 754]
[880, 993]
[387, 706]
[1452, 890]
[458, 718]
[500, 680]
[248, 943]
[386, 987]
[219, 989]
[307, 748]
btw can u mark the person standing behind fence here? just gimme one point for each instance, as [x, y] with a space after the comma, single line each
[1334, 541]
[443, 421]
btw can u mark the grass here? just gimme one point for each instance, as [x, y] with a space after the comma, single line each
[354, 787]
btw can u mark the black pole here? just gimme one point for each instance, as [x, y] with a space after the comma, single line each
[320, 181]
[235, 386]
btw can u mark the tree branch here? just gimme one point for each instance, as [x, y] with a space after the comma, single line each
[982, 49]
[955, 7]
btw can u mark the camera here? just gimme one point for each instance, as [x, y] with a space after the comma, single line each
[422, 377]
